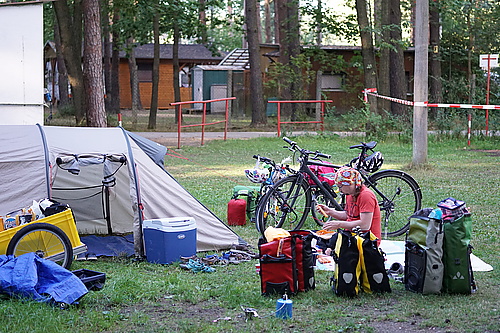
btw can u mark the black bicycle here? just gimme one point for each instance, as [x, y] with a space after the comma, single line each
[288, 202]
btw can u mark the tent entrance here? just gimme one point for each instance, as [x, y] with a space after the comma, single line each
[88, 203]
[103, 206]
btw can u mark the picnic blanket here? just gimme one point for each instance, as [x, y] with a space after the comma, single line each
[395, 252]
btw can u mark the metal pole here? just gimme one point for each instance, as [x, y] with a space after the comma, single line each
[203, 120]
[487, 93]
[179, 123]
[279, 119]
[227, 118]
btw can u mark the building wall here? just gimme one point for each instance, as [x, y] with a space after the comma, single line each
[21, 64]
[165, 89]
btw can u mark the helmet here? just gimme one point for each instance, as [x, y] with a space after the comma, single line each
[257, 175]
[373, 162]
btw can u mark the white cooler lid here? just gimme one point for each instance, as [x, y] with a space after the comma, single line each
[170, 224]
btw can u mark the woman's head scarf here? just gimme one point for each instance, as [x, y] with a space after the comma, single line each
[348, 176]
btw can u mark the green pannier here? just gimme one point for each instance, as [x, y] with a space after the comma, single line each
[423, 252]
[458, 275]
[250, 194]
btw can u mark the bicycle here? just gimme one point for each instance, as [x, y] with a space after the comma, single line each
[288, 202]
[266, 172]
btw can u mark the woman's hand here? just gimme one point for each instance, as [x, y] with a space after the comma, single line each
[323, 209]
[331, 225]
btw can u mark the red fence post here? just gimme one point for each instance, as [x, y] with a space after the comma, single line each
[179, 125]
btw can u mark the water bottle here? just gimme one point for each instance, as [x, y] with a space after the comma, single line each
[284, 308]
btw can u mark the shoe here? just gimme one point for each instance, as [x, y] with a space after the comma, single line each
[196, 266]
[247, 253]
[186, 259]
[91, 256]
[396, 268]
[81, 257]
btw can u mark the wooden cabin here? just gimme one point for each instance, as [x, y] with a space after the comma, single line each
[190, 55]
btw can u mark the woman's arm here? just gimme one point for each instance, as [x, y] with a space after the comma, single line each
[336, 214]
[364, 222]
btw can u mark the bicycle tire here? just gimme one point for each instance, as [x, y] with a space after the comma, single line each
[44, 239]
[281, 208]
[404, 198]
[318, 197]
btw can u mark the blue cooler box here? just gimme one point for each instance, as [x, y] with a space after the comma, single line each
[168, 239]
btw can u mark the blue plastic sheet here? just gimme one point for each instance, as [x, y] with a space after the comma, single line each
[29, 276]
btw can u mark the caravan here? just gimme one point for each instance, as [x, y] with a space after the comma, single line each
[111, 178]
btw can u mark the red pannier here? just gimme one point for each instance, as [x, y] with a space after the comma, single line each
[324, 174]
[287, 264]
[236, 212]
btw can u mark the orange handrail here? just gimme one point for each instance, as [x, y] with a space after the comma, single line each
[178, 106]
[322, 115]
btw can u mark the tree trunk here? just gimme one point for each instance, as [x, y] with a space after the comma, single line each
[156, 70]
[106, 36]
[134, 83]
[62, 80]
[257, 96]
[369, 65]
[175, 60]
[398, 82]
[267, 21]
[203, 21]
[435, 83]
[281, 17]
[115, 67]
[70, 33]
[92, 65]
[293, 35]
[384, 42]
[319, 23]
[421, 81]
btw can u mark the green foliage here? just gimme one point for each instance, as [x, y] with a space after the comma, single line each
[470, 28]
[362, 119]
[283, 75]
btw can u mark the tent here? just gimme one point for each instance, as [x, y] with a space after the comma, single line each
[111, 178]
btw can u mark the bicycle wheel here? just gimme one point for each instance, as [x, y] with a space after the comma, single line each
[399, 197]
[285, 205]
[318, 197]
[44, 239]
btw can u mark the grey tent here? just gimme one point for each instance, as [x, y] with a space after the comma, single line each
[112, 179]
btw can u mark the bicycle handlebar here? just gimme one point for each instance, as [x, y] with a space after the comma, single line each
[295, 147]
[264, 159]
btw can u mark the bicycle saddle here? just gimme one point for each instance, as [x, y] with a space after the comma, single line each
[369, 145]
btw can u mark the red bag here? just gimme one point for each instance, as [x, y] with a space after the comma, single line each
[287, 264]
[236, 212]
[324, 173]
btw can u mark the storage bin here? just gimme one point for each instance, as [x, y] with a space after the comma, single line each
[168, 239]
[91, 279]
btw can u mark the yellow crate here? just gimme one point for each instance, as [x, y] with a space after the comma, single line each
[63, 220]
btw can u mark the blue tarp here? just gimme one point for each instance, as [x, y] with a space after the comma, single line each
[29, 276]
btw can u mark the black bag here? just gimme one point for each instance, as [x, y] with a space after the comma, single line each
[373, 276]
[347, 266]
[54, 208]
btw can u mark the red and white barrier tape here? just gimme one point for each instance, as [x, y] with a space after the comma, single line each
[373, 92]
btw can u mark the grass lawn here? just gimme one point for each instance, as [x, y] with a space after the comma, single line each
[143, 297]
